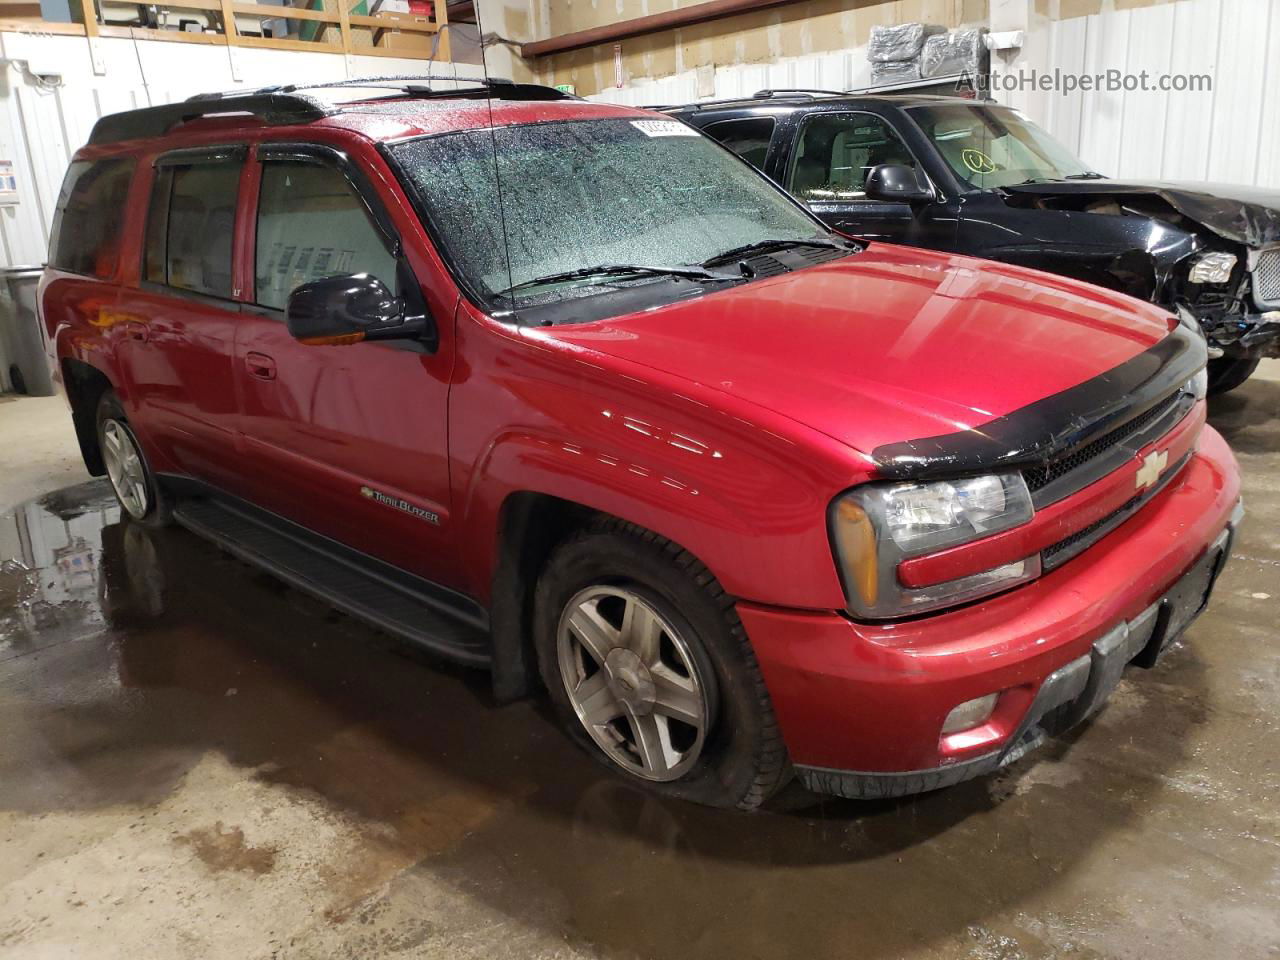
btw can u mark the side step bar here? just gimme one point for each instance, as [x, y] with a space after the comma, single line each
[442, 622]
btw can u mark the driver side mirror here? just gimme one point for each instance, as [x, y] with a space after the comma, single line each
[897, 183]
[350, 308]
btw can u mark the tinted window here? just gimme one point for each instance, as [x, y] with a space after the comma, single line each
[191, 225]
[572, 195]
[312, 224]
[88, 217]
[748, 138]
[835, 154]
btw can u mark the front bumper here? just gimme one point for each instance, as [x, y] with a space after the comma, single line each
[861, 706]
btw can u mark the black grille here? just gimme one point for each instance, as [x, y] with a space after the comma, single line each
[1066, 548]
[1038, 477]
[773, 264]
[1266, 277]
[765, 266]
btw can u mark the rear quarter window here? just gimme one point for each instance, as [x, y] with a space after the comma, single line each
[87, 220]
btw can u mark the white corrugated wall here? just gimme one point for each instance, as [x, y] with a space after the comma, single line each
[1228, 134]
[41, 128]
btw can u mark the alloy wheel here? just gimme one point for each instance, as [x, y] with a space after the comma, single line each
[633, 682]
[124, 468]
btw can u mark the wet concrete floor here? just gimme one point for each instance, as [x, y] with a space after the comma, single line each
[196, 761]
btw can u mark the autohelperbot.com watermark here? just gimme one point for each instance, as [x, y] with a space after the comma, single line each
[1066, 82]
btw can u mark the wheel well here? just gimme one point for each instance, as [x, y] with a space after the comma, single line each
[530, 526]
[85, 386]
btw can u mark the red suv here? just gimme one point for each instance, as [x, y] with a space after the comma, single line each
[568, 391]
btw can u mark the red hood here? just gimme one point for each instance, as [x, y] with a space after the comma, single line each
[889, 345]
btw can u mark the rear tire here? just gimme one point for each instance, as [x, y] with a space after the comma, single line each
[132, 479]
[1227, 373]
[683, 709]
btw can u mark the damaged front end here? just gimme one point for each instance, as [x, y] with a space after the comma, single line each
[1207, 253]
[1230, 296]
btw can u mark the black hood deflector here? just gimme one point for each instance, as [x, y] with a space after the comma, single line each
[1244, 214]
[1042, 431]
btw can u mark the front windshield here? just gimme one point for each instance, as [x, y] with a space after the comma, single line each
[579, 194]
[995, 146]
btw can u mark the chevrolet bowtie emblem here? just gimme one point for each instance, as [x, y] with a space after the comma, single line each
[1153, 465]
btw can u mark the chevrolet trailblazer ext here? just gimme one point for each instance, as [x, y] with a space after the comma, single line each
[568, 391]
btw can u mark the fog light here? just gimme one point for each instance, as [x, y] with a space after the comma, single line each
[971, 713]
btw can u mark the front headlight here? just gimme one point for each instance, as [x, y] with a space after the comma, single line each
[876, 527]
[1213, 268]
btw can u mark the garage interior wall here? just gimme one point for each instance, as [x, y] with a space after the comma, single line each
[42, 125]
[1227, 134]
[803, 29]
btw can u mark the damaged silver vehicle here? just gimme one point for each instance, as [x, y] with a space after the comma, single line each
[977, 178]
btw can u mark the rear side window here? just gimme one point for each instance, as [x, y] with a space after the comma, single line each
[748, 137]
[191, 226]
[311, 225]
[87, 220]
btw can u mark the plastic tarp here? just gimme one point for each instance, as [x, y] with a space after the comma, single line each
[949, 54]
[901, 43]
[897, 71]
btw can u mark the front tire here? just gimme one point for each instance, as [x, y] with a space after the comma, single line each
[1227, 373]
[135, 486]
[649, 668]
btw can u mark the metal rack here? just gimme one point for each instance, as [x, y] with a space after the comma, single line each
[289, 104]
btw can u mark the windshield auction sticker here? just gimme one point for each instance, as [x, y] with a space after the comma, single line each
[663, 128]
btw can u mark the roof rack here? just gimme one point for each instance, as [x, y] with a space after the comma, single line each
[419, 86]
[287, 104]
[791, 91]
[926, 86]
[767, 94]
[273, 108]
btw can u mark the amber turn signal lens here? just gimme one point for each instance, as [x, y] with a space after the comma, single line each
[856, 539]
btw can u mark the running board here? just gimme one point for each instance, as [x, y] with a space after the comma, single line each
[441, 622]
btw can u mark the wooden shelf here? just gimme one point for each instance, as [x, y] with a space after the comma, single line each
[284, 13]
[169, 36]
[226, 11]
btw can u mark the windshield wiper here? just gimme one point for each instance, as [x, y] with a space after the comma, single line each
[614, 269]
[761, 245]
[1089, 175]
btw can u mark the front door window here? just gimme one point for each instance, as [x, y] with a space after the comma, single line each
[836, 152]
[311, 225]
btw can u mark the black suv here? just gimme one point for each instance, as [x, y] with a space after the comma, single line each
[978, 178]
